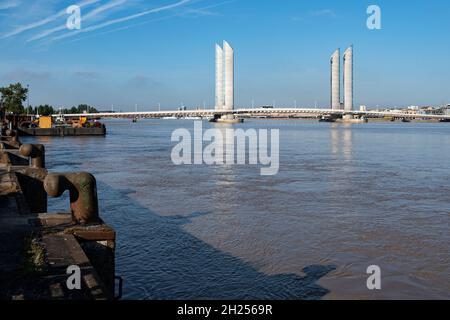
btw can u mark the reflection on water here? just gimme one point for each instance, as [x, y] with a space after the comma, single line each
[346, 197]
[334, 131]
[347, 143]
[341, 140]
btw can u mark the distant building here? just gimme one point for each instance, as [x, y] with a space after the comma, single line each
[411, 110]
[362, 108]
[429, 110]
[447, 110]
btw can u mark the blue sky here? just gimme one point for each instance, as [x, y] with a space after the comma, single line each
[147, 52]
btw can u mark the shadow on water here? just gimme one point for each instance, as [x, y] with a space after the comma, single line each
[158, 259]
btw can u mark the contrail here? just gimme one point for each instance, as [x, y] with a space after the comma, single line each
[45, 21]
[121, 28]
[147, 21]
[119, 20]
[90, 15]
[9, 4]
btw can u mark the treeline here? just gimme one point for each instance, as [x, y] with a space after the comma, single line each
[14, 96]
[46, 110]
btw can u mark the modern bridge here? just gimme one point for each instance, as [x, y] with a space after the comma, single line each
[261, 112]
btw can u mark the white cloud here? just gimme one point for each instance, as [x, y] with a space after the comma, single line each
[95, 12]
[21, 74]
[153, 20]
[323, 12]
[9, 4]
[123, 19]
[45, 21]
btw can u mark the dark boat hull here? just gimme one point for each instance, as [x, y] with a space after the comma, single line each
[62, 132]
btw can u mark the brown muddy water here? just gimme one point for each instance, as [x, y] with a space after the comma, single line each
[345, 198]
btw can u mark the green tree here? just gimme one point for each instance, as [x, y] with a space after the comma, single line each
[80, 109]
[30, 110]
[73, 110]
[86, 108]
[13, 97]
[45, 110]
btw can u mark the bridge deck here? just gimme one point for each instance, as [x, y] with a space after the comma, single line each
[260, 112]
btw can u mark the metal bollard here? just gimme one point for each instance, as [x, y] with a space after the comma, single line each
[12, 137]
[15, 139]
[83, 194]
[36, 152]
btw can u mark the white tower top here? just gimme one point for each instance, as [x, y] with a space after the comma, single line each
[219, 78]
[229, 76]
[335, 84]
[348, 79]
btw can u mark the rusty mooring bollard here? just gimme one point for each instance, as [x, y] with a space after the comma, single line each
[36, 152]
[10, 133]
[12, 137]
[83, 194]
[15, 139]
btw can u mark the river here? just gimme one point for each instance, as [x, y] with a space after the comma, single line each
[345, 197]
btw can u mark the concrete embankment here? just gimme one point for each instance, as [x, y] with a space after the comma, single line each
[37, 247]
